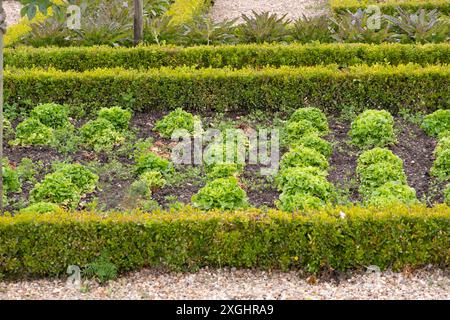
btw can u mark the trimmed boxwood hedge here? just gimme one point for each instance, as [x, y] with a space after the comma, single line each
[389, 7]
[239, 56]
[341, 238]
[327, 87]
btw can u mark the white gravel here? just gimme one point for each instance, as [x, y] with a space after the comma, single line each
[226, 284]
[12, 9]
[230, 9]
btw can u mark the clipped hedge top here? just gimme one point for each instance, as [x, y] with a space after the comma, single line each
[239, 56]
[338, 238]
[188, 213]
[388, 6]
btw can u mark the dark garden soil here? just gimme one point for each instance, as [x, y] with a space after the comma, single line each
[413, 146]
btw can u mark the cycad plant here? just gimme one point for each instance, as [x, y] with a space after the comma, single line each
[359, 27]
[312, 29]
[420, 27]
[263, 27]
[203, 30]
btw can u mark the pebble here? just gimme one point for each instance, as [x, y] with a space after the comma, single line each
[151, 284]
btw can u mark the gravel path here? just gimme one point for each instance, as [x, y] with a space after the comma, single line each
[240, 284]
[12, 9]
[230, 9]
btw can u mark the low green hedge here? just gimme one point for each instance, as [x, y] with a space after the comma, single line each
[327, 87]
[239, 56]
[389, 7]
[342, 238]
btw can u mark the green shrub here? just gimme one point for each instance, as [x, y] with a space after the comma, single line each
[436, 123]
[52, 115]
[183, 11]
[373, 128]
[315, 142]
[303, 157]
[447, 195]
[391, 238]
[275, 89]
[234, 56]
[32, 132]
[392, 192]
[316, 117]
[100, 135]
[152, 162]
[175, 120]
[40, 208]
[390, 6]
[119, 117]
[298, 202]
[223, 193]
[224, 170]
[56, 188]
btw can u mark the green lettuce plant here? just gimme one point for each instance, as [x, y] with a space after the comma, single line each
[392, 192]
[119, 117]
[303, 157]
[175, 120]
[222, 193]
[32, 132]
[373, 128]
[437, 123]
[100, 135]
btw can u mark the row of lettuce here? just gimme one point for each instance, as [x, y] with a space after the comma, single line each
[277, 89]
[187, 23]
[302, 179]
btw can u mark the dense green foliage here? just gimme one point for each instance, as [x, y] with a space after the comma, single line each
[100, 135]
[360, 87]
[373, 128]
[390, 6]
[175, 120]
[52, 115]
[382, 179]
[119, 117]
[240, 56]
[65, 186]
[441, 165]
[393, 237]
[304, 157]
[437, 123]
[148, 161]
[221, 193]
[32, 132]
